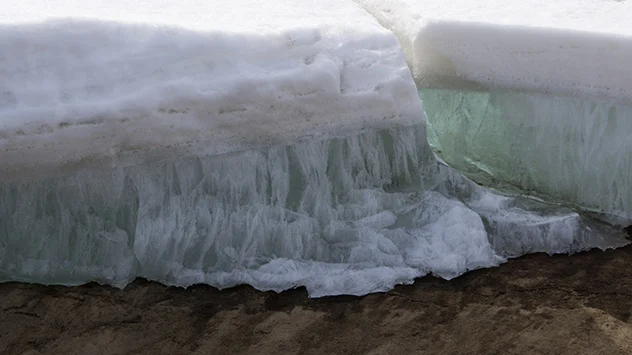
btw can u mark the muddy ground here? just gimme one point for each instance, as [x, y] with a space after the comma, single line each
[533, 305]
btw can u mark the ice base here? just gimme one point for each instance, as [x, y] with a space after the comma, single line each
[347, 215]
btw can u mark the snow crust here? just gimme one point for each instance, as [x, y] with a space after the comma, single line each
[578, 48]
[93, 83]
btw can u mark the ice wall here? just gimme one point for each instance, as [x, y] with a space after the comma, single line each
[532, 97]
[340, 216]
[577, 48]
[573, 150]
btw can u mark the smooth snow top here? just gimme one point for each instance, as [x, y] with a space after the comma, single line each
[579, 47]
[95, 82]
[242, 16]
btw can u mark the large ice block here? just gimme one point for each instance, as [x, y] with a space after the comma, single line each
[572, 150]
[230, 142]
[94, 83]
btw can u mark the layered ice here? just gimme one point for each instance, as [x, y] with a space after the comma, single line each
[340, 216]
[532, 97]
[231, 142]
[93, 83]
[572, 150]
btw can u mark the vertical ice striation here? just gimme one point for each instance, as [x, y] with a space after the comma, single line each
[530, 96]
[573, 150]
[233, 142]
[341, 216]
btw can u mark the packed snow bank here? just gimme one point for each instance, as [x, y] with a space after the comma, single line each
[579, 48]
[95, 83]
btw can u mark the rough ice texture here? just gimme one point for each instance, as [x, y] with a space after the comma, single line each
[93, 83]
[569, 149]
[579, 48]
[340, 216]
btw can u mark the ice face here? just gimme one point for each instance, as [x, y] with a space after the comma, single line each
[228, 142]
[340, 216]
[572, 150]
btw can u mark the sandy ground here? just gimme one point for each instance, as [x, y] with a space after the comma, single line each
[533, 305]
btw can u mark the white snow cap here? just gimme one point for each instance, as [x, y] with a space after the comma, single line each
[99, 82]
[579, 47]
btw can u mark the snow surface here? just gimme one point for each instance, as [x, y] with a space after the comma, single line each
[579, 47]
[94, 83]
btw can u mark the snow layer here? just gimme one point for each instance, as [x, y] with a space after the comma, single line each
[579, 47]
[94, 83]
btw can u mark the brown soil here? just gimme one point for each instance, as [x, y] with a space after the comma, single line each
[533, 305]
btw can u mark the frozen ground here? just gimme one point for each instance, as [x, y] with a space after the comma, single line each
[549, 305]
